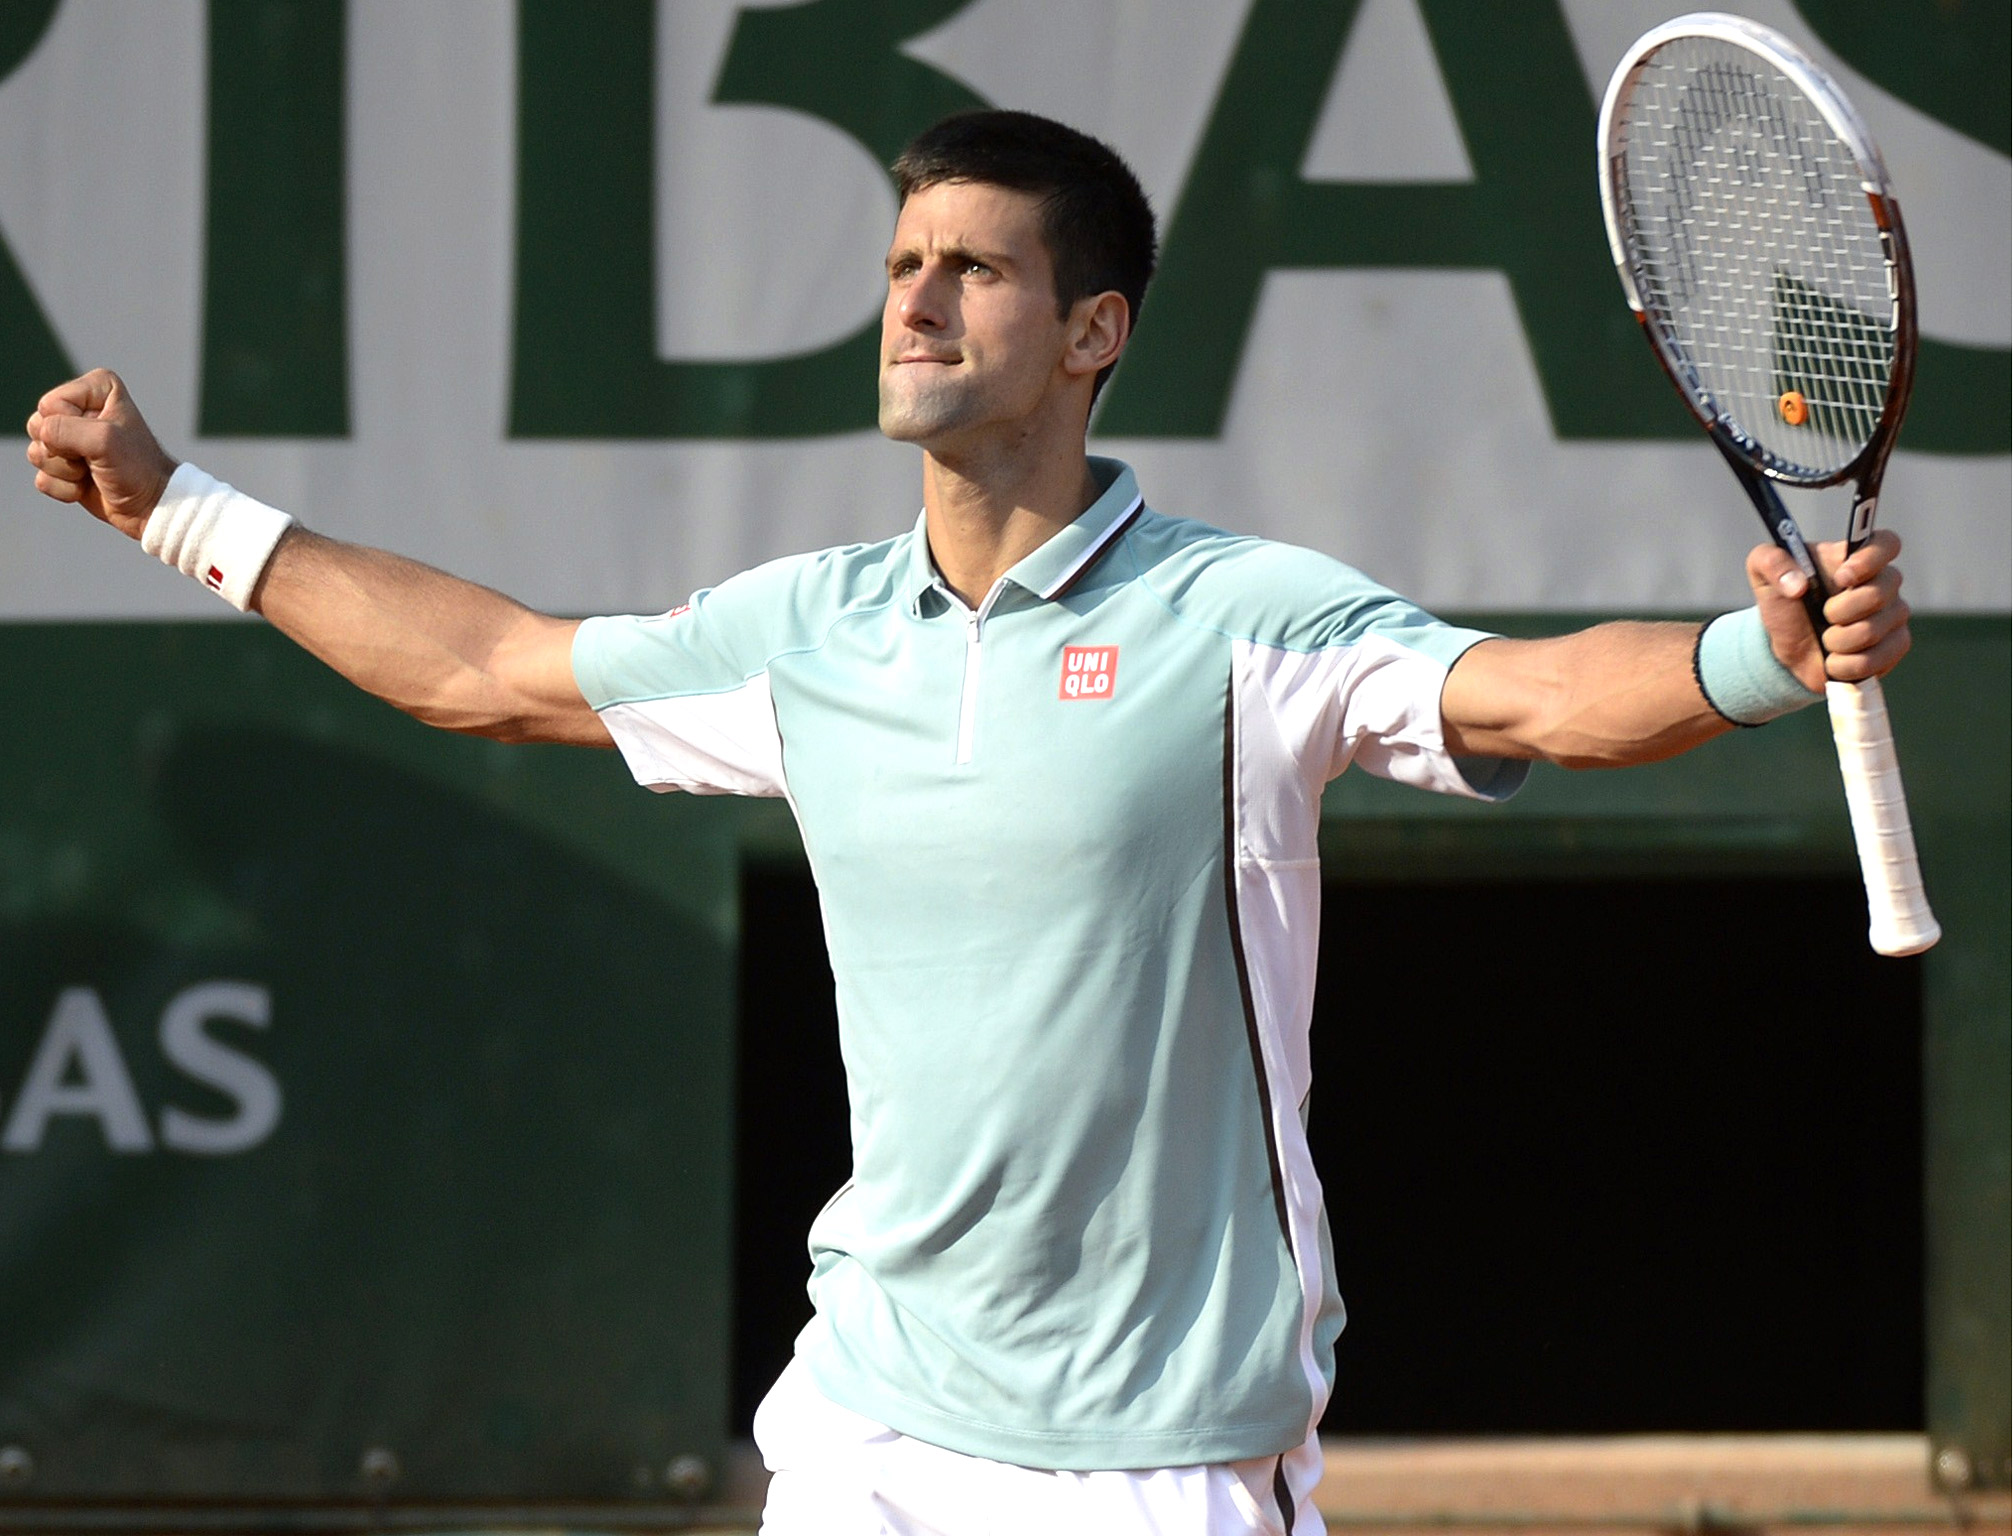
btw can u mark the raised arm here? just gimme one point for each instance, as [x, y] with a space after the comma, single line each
[1628, 693]
[444, 650]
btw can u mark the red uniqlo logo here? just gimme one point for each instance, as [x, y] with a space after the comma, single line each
[1089, 671]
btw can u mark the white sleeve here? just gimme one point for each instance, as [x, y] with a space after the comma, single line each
[1373, 702]
[705, 744]
[681, 709]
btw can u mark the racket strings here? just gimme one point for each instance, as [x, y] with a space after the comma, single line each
[1758, 256]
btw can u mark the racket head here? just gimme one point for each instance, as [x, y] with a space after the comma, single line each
[1760, 243]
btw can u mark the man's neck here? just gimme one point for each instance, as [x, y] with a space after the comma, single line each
[985, 517]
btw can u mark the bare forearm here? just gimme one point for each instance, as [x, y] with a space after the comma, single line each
[450, 652]
[1606, 697]
[447, 651]
[1627, 693]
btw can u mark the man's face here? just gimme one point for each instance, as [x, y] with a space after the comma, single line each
[970, 337]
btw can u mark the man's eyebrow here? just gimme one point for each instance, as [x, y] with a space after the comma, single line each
[956, 252]
[964, 253]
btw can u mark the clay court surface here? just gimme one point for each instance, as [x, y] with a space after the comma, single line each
[1753, 1485]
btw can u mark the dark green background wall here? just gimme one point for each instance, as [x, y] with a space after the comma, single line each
[489, 1232]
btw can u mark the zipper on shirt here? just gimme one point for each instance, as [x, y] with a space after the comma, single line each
[968, 695]
[968, 700]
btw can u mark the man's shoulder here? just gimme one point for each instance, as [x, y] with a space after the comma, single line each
[1234, 557]
[1254, 588]
[724, 634]
[839, 575]
[790, 602]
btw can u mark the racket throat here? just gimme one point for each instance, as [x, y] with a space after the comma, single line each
[1783, 532]
[1861, 528]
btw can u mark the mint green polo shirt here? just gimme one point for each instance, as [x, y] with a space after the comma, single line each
[1065, 846]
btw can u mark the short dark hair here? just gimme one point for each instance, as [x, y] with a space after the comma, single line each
[1096, 222]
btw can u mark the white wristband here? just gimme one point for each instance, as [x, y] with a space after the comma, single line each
[221, 537]
[1737, 670]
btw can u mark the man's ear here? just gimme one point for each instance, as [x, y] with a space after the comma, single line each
[1099, 326]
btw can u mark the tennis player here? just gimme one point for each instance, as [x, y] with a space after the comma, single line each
[1058, 763]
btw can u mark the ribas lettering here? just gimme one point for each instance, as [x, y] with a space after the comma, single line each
[79, 1072]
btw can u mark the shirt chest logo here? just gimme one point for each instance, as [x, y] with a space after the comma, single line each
[1089, 672]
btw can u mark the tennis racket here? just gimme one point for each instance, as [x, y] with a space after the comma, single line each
[1760, 244]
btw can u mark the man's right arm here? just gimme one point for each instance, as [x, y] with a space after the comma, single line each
[447, 651]
[444, 650]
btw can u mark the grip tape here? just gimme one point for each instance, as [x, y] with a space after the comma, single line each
[1899, 920]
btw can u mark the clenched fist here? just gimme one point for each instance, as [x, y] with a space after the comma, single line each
[1867, 619]
[89, 444]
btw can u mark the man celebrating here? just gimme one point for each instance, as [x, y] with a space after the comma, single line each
[1058, 763]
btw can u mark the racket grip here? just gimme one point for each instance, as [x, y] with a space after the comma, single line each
[1899, 920]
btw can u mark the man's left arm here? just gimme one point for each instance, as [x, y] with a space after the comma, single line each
[1628, 693]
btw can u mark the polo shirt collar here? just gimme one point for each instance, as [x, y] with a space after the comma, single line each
[1066, 555]
[1069, 552]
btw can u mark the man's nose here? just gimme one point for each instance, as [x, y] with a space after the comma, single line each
[924, 301]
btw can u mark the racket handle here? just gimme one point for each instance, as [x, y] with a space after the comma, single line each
[1899, 920]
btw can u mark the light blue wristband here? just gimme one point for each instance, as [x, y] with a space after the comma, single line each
[1740, 675]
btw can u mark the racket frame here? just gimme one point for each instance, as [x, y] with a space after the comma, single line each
[1866, 467]
[1901, 922]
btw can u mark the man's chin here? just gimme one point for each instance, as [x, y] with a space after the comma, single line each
[916, 421]
[898, 428]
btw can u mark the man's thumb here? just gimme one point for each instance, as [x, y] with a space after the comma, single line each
[118, 404]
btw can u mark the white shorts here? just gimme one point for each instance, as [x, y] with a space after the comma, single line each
[837, 1473]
